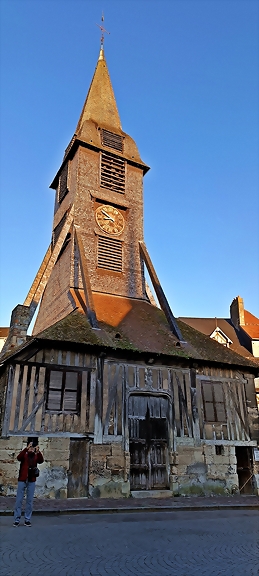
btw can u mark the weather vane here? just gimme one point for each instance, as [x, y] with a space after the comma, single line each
[102, 31]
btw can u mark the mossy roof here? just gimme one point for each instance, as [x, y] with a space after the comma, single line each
[143, 329]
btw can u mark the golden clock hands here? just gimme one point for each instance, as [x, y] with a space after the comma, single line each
[109, 217]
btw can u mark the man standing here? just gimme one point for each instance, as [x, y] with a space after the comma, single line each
[29, 458]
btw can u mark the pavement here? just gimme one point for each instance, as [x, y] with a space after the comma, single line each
[123, 505]
[175, 543]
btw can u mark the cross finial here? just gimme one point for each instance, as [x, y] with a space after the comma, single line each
[102, 31]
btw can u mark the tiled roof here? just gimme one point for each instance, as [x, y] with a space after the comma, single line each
[251, 326]
[4, 332]
[208, 325]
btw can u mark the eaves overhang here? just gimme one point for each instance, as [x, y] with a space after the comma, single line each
[74, 145]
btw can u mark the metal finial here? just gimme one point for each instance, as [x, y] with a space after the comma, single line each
[102, 31]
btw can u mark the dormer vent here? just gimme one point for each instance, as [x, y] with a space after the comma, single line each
[112, 140]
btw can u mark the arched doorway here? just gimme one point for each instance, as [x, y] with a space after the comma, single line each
[148, 418]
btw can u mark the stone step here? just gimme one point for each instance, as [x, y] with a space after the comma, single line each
[151, 493]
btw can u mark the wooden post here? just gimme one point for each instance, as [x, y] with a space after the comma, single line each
[160, 293]
[86, 282]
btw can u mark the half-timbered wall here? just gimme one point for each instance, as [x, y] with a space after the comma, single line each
[117, 406]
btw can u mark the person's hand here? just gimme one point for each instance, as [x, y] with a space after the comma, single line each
[37, 449]
[30, 447]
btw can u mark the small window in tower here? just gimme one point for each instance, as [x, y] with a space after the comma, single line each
[112, 172]
[57, 230]
[112, 140]
[109, 254]
[63, 183]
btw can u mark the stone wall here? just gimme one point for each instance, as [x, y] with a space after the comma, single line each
[52, 482]
[109, 469]
[200, 470]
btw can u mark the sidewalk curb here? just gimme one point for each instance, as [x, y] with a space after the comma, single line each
[74, 511]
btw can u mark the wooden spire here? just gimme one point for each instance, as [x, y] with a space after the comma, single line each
[100, 104]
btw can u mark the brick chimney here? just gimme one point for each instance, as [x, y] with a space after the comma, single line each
[237, 313]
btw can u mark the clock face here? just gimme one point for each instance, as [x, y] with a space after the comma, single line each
[109, 219]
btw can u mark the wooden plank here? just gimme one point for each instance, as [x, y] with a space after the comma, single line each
[230, 416]
[84, 404]
[14, 396]
[8, 400]
[98, 402]
[40, 393]
[187, 389]
[119, 402]
[31, 375]
[221, 379]
[113, 376]
[199, 405]
[22, 396]
[31, 416]
[176, 404]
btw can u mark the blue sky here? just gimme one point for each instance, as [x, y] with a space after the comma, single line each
[185, 76]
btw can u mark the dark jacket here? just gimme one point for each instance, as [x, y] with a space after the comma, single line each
[28, 464]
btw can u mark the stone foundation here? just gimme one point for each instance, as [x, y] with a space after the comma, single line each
[200, 471]
[109, 471]
[194, 470]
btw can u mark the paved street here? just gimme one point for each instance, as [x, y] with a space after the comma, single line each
[209, 543]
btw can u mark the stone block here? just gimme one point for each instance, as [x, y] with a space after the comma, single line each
[53, 455]
[14, 443]
[62, 463]
[7, 456]
[100, 450]
[117, 450]
[115, 462]
[97, 467]
[59, 443]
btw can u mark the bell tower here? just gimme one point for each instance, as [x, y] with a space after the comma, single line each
[98, 214]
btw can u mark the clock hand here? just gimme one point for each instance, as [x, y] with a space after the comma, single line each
[109, 217]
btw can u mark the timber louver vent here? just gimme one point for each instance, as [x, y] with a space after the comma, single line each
[112, 172]
[63, 179]
[109, 254]
[112, 140]
[57, 229]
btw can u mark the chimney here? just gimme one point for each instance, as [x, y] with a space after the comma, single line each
[237, 313]
[20, 320]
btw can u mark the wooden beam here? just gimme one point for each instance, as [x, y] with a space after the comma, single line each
[41, 279]
[86, 281]
[160, 293]
[34, 287]
[32, 414]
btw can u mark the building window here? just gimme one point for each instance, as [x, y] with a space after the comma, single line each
[109, 254]
[112, 172]
[63, 391]
[213, 402]
[63, 183]
[219, 450]
[112, 140]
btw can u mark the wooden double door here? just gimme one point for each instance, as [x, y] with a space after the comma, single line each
[148, 442]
